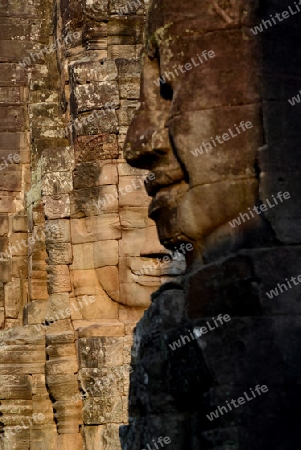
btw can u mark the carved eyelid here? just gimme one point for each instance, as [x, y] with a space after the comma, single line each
[127, 226]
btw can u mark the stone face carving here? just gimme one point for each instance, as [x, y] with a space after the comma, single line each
[213, 130]
[194, 196]
[80, 256]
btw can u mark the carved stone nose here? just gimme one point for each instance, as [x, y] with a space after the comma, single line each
[138, 149]
[152, 245]
[160, 141]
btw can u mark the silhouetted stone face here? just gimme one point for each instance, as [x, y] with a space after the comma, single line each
[216, 362]
[190, 129]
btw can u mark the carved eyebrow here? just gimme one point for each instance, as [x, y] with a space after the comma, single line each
[127, 225]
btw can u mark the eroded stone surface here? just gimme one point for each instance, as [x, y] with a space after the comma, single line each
[182, 384]
[69, 212]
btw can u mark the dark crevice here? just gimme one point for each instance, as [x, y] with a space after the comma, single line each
[184, 170]
[166, 91]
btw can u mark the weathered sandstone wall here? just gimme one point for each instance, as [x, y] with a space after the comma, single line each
[79, 254]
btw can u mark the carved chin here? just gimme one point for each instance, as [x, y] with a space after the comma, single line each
[203, 209]
[168, 230]
[164, 211]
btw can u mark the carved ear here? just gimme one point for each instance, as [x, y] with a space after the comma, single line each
[231, 13]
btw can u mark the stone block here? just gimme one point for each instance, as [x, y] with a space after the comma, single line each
[64, 386]
[61, 366]
[95, 228]
[99, 410]
[123, 51]
[13, 140]
[59, 253]
[57, 231]
[23, 10]
[54, 183]
[72, 440]
[105, 253]
[132, 192]
[35, 312]
[25, 334]
[123, 117]
[10, 95]
[275, 268]
[18, 244]
[2, 318]
[100, 352]
[85, 283]
[95, 95]
[126, 25]
[11, 117]
[134, 217]
[20, 359]
[58, 279]
[138, 295]
[111, 436]
[108, 277]
[91, 174]
[94, 201]
[5, 271]
[17, 156]
[244, 362]
[11, 178]
[12, 292]
[68, 416]
[94, 71]
[57, 206]
[60, 332]
[99, 147]
[7, 201]
[58, 307]
[12, 75]
[31, 263]
[125, 170]
[38, 384]
[37, 247]
[44, 111]
[132, 240]
[130, 315]
[285, 216]
[1, 294]
[99, 11]
[102, 382]
[130, 88]
[38, 289]
[94, 437]
[83, 256]
[105, 121]
[63, 349]
[237, 296]
[4, 225]
[58, 159]
[15, 387]
[46, 436]
[19, 224]
[102, 329]
[3, 248]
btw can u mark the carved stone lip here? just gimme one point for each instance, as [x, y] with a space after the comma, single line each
[164, 178]
[153, 188]
[145, 279]
[162, 198]
[166, 197]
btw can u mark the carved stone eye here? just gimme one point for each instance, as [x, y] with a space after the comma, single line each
[166, 91]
